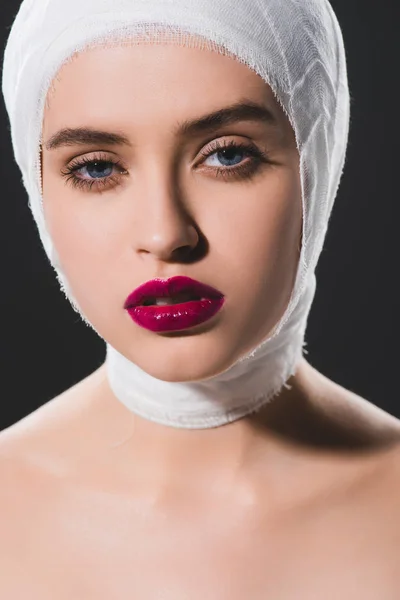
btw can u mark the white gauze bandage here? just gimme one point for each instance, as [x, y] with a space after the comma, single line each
[296, 46]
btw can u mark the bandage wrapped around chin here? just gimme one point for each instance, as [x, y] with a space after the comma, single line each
[297, 48]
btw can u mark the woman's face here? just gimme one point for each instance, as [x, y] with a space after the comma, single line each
[166, 202]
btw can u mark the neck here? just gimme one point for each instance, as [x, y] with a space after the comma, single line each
[178, 458]
[207, 429]
[286, 446]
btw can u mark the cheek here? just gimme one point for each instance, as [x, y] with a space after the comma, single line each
[76, 221]
[83, 234]
[263, 252]
[261, 231]
[279, 230]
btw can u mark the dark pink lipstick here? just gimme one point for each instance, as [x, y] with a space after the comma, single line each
[193, 303]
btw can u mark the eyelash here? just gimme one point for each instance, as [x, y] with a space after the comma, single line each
[242, 172]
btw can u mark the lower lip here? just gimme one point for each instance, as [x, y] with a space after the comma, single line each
[175, 317]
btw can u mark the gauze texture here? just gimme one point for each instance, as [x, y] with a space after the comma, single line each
[296, 46]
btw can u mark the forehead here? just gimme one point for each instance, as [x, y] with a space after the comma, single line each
[151, 84]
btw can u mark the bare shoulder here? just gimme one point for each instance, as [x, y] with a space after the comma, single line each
[347, 415]
[373, 433]
[21, 489]
[365, 443]
[388, 477]
[377, 505]
[34, 470]
[34, 449]
[25, 460]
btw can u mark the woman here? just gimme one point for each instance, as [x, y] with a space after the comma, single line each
[189, 154]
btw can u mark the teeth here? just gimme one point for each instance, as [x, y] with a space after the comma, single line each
[178, 299]
[164, 302]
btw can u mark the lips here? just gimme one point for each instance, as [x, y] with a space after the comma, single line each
[170, 288]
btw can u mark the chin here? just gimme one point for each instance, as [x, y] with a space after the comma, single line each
[184, 367]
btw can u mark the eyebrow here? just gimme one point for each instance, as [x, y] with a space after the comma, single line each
[240, 111]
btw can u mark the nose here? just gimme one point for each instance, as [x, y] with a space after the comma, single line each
[165, 230]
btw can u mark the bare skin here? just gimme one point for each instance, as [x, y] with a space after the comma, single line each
[310, 511]
[299, 500]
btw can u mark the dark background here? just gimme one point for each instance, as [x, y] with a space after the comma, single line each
[353, 326]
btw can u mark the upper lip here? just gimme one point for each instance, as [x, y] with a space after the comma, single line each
[167, 288]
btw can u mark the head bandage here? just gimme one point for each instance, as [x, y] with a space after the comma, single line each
[297, 48]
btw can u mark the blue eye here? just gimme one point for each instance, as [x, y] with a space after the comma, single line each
[228, 155]
[98, 169]
[226, 158]
[230, 159]
[84, 173]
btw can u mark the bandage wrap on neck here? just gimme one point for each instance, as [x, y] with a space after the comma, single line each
[297, 48]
